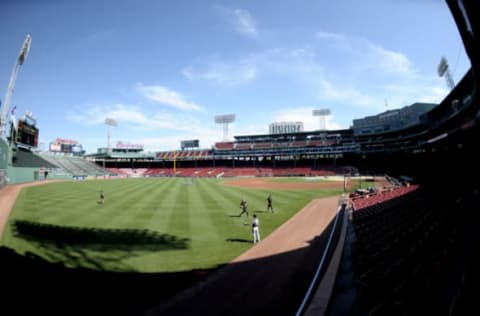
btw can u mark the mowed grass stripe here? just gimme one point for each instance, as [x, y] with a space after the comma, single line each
[178, 218]
[92, 213]
[204, 212]
[150, 207]
[165, 207]
[118, 211]
[82, 199]
[122, 211]
[212, 212]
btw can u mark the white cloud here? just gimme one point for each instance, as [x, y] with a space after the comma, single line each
[370, 74]
[329, 36]
[346, 95]
[364, 54]
[244, 23]
[304, 114]
[390, 61]
[224, 72]
[241, 20]
[166, 96]
[132, 117]
[432, 91]
[298, 61]
[207, 134]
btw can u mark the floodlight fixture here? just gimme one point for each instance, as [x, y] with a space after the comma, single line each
[321, 113]
[225, 119]
[443, 70]
[109, 122]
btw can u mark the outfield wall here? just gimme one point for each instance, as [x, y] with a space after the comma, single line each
[4, 159]
[20, 175]
[23, 174]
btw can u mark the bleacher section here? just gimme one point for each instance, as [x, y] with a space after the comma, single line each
[215, 171]
[379, 197]
[407, 257]
[75, 166]
[26, 158]
[184, 155]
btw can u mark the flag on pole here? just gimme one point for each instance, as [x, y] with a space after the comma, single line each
[13, 118]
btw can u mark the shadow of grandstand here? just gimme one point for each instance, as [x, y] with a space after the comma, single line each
[99, 238]
[51, 289]
[96, 248]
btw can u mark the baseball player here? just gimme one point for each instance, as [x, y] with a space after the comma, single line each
[255, 229]
[269, 203]
[243, 207]
[102, 197]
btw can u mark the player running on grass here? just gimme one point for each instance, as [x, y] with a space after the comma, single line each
[243, 207]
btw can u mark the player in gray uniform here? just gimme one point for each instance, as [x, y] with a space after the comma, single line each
[243, 207]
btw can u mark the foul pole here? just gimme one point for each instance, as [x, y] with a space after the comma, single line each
[11, 85]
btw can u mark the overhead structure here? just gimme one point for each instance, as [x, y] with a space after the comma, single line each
[444, 71]
[321, 115]
[225, 120]
[11, 85]
[110, 122]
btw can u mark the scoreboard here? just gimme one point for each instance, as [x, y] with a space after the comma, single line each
[66, 146]
[189, 143]
[27, 134]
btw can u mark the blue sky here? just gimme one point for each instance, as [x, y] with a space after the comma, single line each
[164, 69]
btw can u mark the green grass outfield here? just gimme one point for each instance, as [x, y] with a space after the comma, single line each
[145, 225]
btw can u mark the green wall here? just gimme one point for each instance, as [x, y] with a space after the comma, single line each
[19, 175]
[4, 154]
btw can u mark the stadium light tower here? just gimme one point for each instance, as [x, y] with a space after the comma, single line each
[109, 122]
[11, 85]
[444, 71]
[225, 120]
[321, 114]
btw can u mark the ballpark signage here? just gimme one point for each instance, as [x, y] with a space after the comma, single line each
[194, 143]
[123, 145]
[65, 141]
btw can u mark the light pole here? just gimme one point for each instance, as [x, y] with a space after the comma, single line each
[444, 71]
[109, 122]
[11, 85]
[225, 120]
[321, 114]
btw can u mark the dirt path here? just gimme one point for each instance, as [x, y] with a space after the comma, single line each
[270, 278]
[262, 183]
[8, 196]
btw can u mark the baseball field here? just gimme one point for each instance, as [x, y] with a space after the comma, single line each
[150, 225]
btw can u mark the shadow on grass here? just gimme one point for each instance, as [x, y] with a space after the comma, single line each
[51, 289]
[258, 211]
[99, 238]
[238, 240]
[55, 290]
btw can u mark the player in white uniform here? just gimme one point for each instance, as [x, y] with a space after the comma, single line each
[255, 229]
